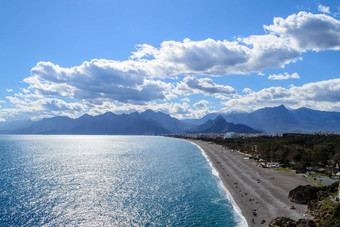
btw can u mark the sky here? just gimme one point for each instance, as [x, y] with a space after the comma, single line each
[185, 58]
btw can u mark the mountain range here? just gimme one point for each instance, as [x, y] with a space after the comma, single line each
[269, 120]
[145, 123]
[280, 119]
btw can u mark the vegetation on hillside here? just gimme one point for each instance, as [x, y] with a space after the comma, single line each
[296, 150]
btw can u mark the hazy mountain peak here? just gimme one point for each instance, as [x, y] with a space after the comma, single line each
[219, 117]
[148, 111]
[282, 107]
[220, 125]
[269, 119]
[85, 116]
[108, 114]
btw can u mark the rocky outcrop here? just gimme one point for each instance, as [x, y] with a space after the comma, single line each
[323, 203]
[287, 222]
[303, 193]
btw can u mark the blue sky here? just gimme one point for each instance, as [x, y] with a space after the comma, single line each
[186, 58]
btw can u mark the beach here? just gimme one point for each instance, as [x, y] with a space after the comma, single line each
[260, 193]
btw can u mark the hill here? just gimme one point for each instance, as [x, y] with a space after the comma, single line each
[220, 125]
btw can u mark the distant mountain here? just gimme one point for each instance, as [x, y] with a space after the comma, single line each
[53, 125]
[210, 116]
[202, 120]
[220, 125]
[280, 119]
[171, 124]
[113, 124]
[107, 124]
[269, 120]
[146, 123]
[314, 120]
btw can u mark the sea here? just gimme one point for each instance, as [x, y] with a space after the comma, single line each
[76, 180]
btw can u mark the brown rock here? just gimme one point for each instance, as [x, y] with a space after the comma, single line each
[302, 194]
[287, 222]
[305, 223]
[282, 222]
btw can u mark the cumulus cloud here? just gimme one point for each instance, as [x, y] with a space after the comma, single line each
[322, 95]
[9, 90]
[185, 100]
[269, 51]
[192, 85]
[36, 106]
[247, 90]
[144, 51]
[208, 56]
[180, 110]
[97, 81]
[284, 76]
[136, 83]
[203, 104]
[133, 80]
[175, 109]
[288, 38]
[324, 9]
[308, 31]
[218, 58]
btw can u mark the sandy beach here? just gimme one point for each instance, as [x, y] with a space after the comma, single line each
[260, 193]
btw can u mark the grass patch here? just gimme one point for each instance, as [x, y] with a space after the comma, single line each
[317, 175]
[282, 169]
[316, 182]
[328, 203]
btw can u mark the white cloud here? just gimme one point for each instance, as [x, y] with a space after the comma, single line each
[185, 100]
[36, 106]
[192, 85]
[269, 51]
[287, 40]
[143, 51]
[218, 58]
[322, 95]
[97, 81]
[324, 9]
[136, 83]
[247, 90]
[308, 31]
[207, 56]
[222, 97]
[133, 80]
[203, 104]
[9, 90]
[284, 76]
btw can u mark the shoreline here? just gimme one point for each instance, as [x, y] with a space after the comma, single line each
[258, 195]
[242, 220]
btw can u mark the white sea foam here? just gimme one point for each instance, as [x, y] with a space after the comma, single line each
[241, 220]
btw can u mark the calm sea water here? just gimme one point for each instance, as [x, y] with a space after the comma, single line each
[108, 180]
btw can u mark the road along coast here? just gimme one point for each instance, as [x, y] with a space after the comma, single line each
[260, 193]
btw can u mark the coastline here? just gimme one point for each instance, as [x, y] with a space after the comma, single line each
[258, 195]
[242, 220]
